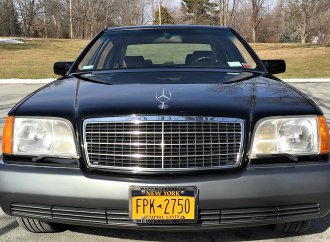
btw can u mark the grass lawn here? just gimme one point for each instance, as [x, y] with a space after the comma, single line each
[303, 61]
[35, 58]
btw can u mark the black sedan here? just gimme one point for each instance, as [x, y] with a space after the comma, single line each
[166, 128]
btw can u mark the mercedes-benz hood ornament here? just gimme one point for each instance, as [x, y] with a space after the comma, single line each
[163, 96]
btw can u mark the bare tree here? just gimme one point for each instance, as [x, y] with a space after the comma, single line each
[9, 23]
[227, 11]
[302, 15]
[89, 16]
[44, 9]
[57, 19]
[127, 12]
[29, 10]
[287, 21]
[272, 27]
[258, 10]
[323, 20]
[70, 18]
[146, 11]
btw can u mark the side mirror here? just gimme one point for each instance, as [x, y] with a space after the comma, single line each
[275, 66]
[61, 68]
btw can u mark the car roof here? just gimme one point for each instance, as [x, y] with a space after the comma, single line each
[170, 26]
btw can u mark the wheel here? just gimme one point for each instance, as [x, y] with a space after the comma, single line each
[37, 226]
[294, 227]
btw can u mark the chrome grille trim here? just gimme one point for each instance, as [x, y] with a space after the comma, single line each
[164, 143]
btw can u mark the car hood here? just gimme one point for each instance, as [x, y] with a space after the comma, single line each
[252, 99]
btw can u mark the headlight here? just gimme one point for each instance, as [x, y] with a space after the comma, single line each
[43, 136]
[289, 135]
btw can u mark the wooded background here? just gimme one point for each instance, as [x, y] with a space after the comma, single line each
[257, 20]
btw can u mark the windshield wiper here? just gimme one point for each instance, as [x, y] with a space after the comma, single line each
[90, 76]
[245, 75]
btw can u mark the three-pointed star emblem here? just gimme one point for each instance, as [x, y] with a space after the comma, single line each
[163, 96]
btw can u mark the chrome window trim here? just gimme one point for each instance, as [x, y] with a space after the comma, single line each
[144, 119]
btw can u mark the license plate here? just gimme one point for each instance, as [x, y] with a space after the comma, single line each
[163, 204]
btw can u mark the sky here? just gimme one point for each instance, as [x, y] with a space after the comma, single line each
[174, 3]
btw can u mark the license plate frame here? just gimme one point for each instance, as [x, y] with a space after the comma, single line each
[185, 191]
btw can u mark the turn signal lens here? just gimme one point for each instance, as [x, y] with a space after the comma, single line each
[7, 137]
[324, 138]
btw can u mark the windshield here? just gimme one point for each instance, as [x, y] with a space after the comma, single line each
[167, 48]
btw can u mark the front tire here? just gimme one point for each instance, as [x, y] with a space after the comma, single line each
[37, 226]
[294, 227]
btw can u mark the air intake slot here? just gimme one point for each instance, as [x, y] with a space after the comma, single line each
[239, 216]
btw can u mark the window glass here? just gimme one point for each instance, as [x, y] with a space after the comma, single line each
[170, 53]
[166, 47]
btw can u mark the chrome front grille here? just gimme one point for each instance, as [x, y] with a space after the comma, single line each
[163, 142]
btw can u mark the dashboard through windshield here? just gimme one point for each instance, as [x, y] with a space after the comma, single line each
[167, 48]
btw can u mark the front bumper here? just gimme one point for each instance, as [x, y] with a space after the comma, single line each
[254, 196]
